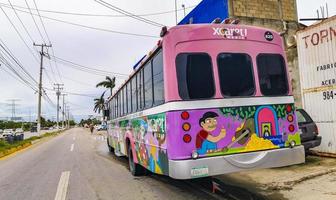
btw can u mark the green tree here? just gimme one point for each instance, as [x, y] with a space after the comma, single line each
[109, 83]
[99, 104]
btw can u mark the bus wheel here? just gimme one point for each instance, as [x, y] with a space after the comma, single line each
[111, 150]
[136, 169]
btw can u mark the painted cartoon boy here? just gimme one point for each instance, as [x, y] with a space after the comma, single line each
[205, 141]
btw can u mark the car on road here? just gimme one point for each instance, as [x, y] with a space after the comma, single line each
[101, 127]
[310, 135]
[33, 129]
[19, 131]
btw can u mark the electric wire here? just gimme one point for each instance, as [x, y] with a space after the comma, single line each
[89, 69]
[101, 15]
[90, 27]
[19, 34]
[37, 27]
[24, 27]
[126, 13]
[9, 53]
[46, 33]
[9, 65]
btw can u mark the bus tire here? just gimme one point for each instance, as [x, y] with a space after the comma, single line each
[135, 169]
[111, 150]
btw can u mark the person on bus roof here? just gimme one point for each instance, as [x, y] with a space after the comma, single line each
[205, 141]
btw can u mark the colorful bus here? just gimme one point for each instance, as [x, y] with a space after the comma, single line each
[209, 99]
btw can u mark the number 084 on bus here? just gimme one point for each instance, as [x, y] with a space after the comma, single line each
[209, 99]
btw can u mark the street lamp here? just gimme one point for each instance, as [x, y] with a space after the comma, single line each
[184, 9]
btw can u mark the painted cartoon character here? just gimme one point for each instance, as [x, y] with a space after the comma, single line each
[266, 131]
[205, 141]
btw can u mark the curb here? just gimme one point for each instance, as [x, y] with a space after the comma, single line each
[14, 149]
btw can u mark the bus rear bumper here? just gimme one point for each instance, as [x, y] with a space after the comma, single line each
[210, 166]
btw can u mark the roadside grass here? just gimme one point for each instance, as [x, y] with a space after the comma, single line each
[8, 148]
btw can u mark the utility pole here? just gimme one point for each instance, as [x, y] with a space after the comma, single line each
[63, 111]
[58, 89]
[176, 11]
[184, 9]
[42, 54]
[68, 110]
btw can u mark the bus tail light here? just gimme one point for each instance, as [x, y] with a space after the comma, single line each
[290, 118]
[186, 127]
[291, 128]
[289, 108]
[185, 115]
[187, 138]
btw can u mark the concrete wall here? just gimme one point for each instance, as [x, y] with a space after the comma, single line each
[267, 13]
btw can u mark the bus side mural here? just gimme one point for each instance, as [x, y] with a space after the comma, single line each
[150, 141]
[234, 130]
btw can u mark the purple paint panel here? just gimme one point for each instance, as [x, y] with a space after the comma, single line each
[223, 131]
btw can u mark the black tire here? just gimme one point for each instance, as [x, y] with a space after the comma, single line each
[111, 150]
[135, 169]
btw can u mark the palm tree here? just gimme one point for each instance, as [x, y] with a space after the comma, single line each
[99, 104]
[109, 83]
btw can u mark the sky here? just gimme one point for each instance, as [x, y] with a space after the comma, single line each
[104, 50]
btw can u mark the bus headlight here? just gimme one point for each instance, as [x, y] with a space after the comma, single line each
[292, 144]
[194, 155]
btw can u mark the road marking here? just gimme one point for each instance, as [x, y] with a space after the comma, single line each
[72, 147]
[62, 186]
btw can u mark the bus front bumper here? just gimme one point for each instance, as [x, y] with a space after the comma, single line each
[210, 166]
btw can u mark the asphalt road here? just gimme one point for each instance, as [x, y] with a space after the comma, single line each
[76, 165]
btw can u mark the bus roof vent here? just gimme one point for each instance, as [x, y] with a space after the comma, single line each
[230, 21]
[216, 21]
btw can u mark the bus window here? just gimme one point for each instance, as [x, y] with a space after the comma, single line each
[195, 76]
[148, 84]
[125, 99]
[129, 97]
[122, 101]
[140, 89]
[158, 78]
[235, 74]
[120, 104]
[272, 74]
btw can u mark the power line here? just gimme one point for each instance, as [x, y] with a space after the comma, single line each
[101, 15]
[90, 27]
[24, 27]
[11, 55]
[19, 34]
[38, 13]
[24, 73]
[37, 27]
[126, 13]
[18, 78]
[73, 93]
[76, 81]
[88, 69]
[45, 31]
